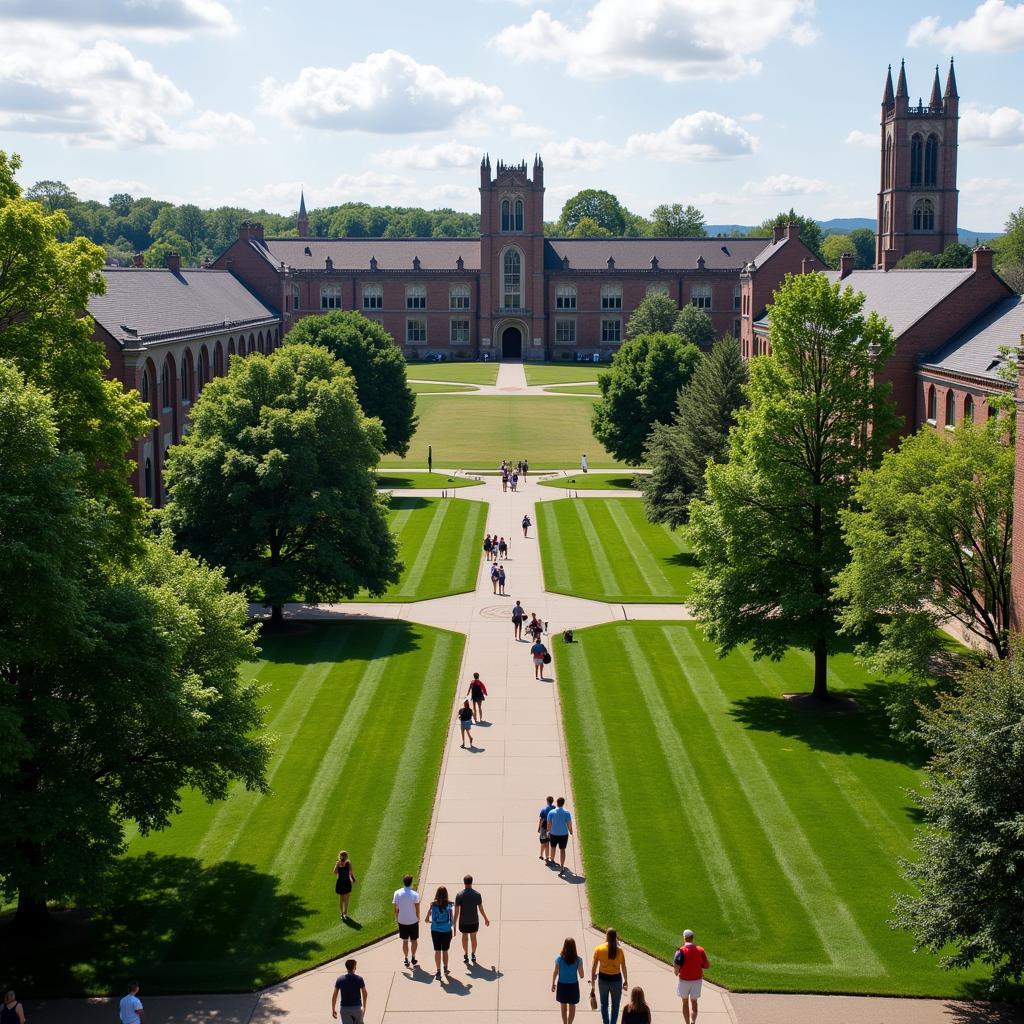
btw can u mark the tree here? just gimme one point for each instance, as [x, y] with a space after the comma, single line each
[655, 314]
[1010, 246]
[1013, 275]
[864, 246]
[598, 205]
[695, 326]
[156, 254]
[929, 535]
[678, 221]
[274, 481]
[121, 203]
[966, 879]
[954, 256]
[834, 246]
[587, 227]
[377, 365]
[918, 259]
[639, 390]
[678, 452]
[51, 195]
[768, 535]
[810, 229]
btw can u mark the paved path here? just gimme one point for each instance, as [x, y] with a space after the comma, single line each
[511, 381]
[483, 824]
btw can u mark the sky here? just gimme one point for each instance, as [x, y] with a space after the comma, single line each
[742, 107]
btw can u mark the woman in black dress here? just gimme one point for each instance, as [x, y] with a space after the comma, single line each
[345, 880]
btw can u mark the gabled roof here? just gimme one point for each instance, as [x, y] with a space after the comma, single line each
[356, 253]
[143, 304]
[975, 350]
[636, 253]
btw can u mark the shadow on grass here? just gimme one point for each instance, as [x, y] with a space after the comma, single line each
[686, 559]
[170, 920]
[866, 732]
[307, 643]
[400, 504]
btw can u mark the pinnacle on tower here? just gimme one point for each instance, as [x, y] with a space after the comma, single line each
[887, 99]
[936, 100]
[901, 84]
[302, 204]
[951, 93]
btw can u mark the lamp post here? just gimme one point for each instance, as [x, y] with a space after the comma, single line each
[430, 458]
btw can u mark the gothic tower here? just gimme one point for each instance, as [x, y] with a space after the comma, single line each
[512, 260]
[302, 221]
[917, 202]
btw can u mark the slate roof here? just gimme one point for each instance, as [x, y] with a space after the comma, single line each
[142, 304]
[355, 253]
[975, 351]
[636, 253]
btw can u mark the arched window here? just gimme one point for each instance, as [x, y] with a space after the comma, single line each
[886, 226]
[147, 479]
[950, 408]
[251, 347]
[165, 384]
[260, 344]
[932, 404]
[218, 360]
[512, 273]
[144, 386]
[519, 215]
[931, 160]
[506, 215]
[887, 164]
[611, 296]
[416, 297]
[916, 158]
[565, 296]
[231, 346]
[969, 408]
[373, 296]
[458, 297]
[204, 367]
[186, 388]
[924, 215]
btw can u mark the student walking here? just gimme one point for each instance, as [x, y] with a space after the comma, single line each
[345, 879]
[689, 964]
[526, 467]
[12, 1012]
[565, 979]
[405, 901]
[526, 525]
[583, 462]
[559, 830]
[609, 969]
[501, 580]
[535, 627]
[469, 908]
[441, 915]
[504, 479]
[539, 653]
[518, 614]
[494, 577]
[488, 544]
[352, 992]
[466, 723]
[477, 693]
[130, 1008]
[502, 548]
[637, 1011]
[542, 829]
[515, 481]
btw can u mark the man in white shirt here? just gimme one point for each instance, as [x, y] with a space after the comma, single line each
[131, 1011]
[406, 902]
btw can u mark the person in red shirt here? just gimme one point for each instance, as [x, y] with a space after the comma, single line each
[689, 963]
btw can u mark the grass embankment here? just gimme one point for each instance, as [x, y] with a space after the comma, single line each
[460, 373]
[563, 373]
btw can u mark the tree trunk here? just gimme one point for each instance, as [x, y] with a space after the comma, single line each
[31, 916]
[820, 691]
[276, 615]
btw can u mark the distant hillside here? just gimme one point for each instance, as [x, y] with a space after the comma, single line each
[842, 225]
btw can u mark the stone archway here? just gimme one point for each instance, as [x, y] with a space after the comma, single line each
[512, 343]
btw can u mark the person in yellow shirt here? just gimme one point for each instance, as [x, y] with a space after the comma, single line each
[609, 969]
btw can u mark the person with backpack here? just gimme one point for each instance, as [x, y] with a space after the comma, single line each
[559, 822]
[501, 580]
[488, 544]
[441, 915]
[502, 548]
[542, 828]
[494, 577]
[466, 723]
[689, 964]
[608, 968]
[477, 692]
[515, 481]
[518, 614]
[540, 656]
[526, 525]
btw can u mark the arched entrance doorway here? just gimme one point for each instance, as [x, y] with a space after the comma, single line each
[511, 343]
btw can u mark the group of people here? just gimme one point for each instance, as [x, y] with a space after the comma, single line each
[510, 475]
[495, 548]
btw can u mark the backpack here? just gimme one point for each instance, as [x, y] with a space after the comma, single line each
[440, 916]
[567, 636]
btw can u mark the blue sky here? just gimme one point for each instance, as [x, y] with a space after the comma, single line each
[773, 103]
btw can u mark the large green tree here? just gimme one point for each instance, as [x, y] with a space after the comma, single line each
[274, 481]
[834, 246]
[655, 314]
[864, 246]
[768, 534]
[678, 452]
[810, 230]
[695, 326]
[676, 220]
[376, 363]
[639, 390]
[600, 206]
[966, 879]
[1009, 246]
[929, 535]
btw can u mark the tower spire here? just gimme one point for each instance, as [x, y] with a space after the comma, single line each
[887, 92]
[302, 221]
[901, 84]
[936, 100]
[951, 92]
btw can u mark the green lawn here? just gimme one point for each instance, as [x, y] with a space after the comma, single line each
[592, 482]
[439, 543]
[563, 373]
[399, 481]
[464, 373]
[480, 430]
[419, 388]
[238, 894]
[604, 548]
[774, 833]
[579, 390]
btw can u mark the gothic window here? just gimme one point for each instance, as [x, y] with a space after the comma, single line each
[950, 409]
[565, 332]
[519, 215]
[931, 160]
[611, 331]
[330, 296]
[506, 215]
[700, 296]
[203, 367]
[969, 408]
[887, 164]
[415, 331]
[165, 384]
[458, 296]
[148, 476]
[565, 296]
[373, 296]
[218, 360]
[512, 279]
[144, 387]
[186, 391]
[295, 296]
[886, 226]
[916, 159]
[611, 296]
[416, 297]
[231, 347]
[924, 215]
[459, 332]
[933, 405]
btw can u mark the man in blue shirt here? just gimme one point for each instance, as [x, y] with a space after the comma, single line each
[559, 823]
[542, 828]
[353, 996]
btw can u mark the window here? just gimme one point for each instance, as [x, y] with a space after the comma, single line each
[657, 289]
[203, 367]
[506, 215]
[458, 332]
[512, 267]
[518, 215]
[295, 296]
[737, 296]
[700, 296]
[416, 297]
[373, 296]
[887, 168]
[231, 346]
[924, 215]
[565, 332]
[144, 386]
[330, 296]
[415, 330]
[186, 391]
[916, 159]
[148, 477]
[735, 328]
[458, 296]
[218, 360]
[931, 160]
[165, 385]
[511, 215]
[565, 296]
[933, 405]
[969, 408]
[611, 331]
[993, 412]
[611, 296]
[950, 409]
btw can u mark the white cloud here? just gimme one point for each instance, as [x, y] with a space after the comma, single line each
[1003, 126]
[704, 135]
[430, 158]
[389, 92]
[995, 26]
[674, 40]
[579, 154]
[863, 140]
[101, 189]
[157, 20]
[786, 185]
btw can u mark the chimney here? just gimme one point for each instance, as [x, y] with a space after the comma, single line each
[700, 262]
[373, 262]
[611, 262]
[138, 260]
[415, 263]
[777, 232]
[328, 263]
[792, 230]
[256, 231]
[981, 259]
[207, 262]
[460, 264]
[807, 265]
[889, 259]
[173, 261]
[654, 263]
[845, 264]
[244, 231]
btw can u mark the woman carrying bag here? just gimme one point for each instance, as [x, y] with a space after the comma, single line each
[609, 968]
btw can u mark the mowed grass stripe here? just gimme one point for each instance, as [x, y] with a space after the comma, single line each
[654, 576]
[463, 573]
[427, 548]
[845, 943]
[602, 565]
[553, 562]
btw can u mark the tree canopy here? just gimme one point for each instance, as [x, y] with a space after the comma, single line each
[600, 206]
[694, 326]
[376, 363]
[639, 390]
[655, 314]
[675, 220]
[810, 230]
[768, 534]
[274, 481]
